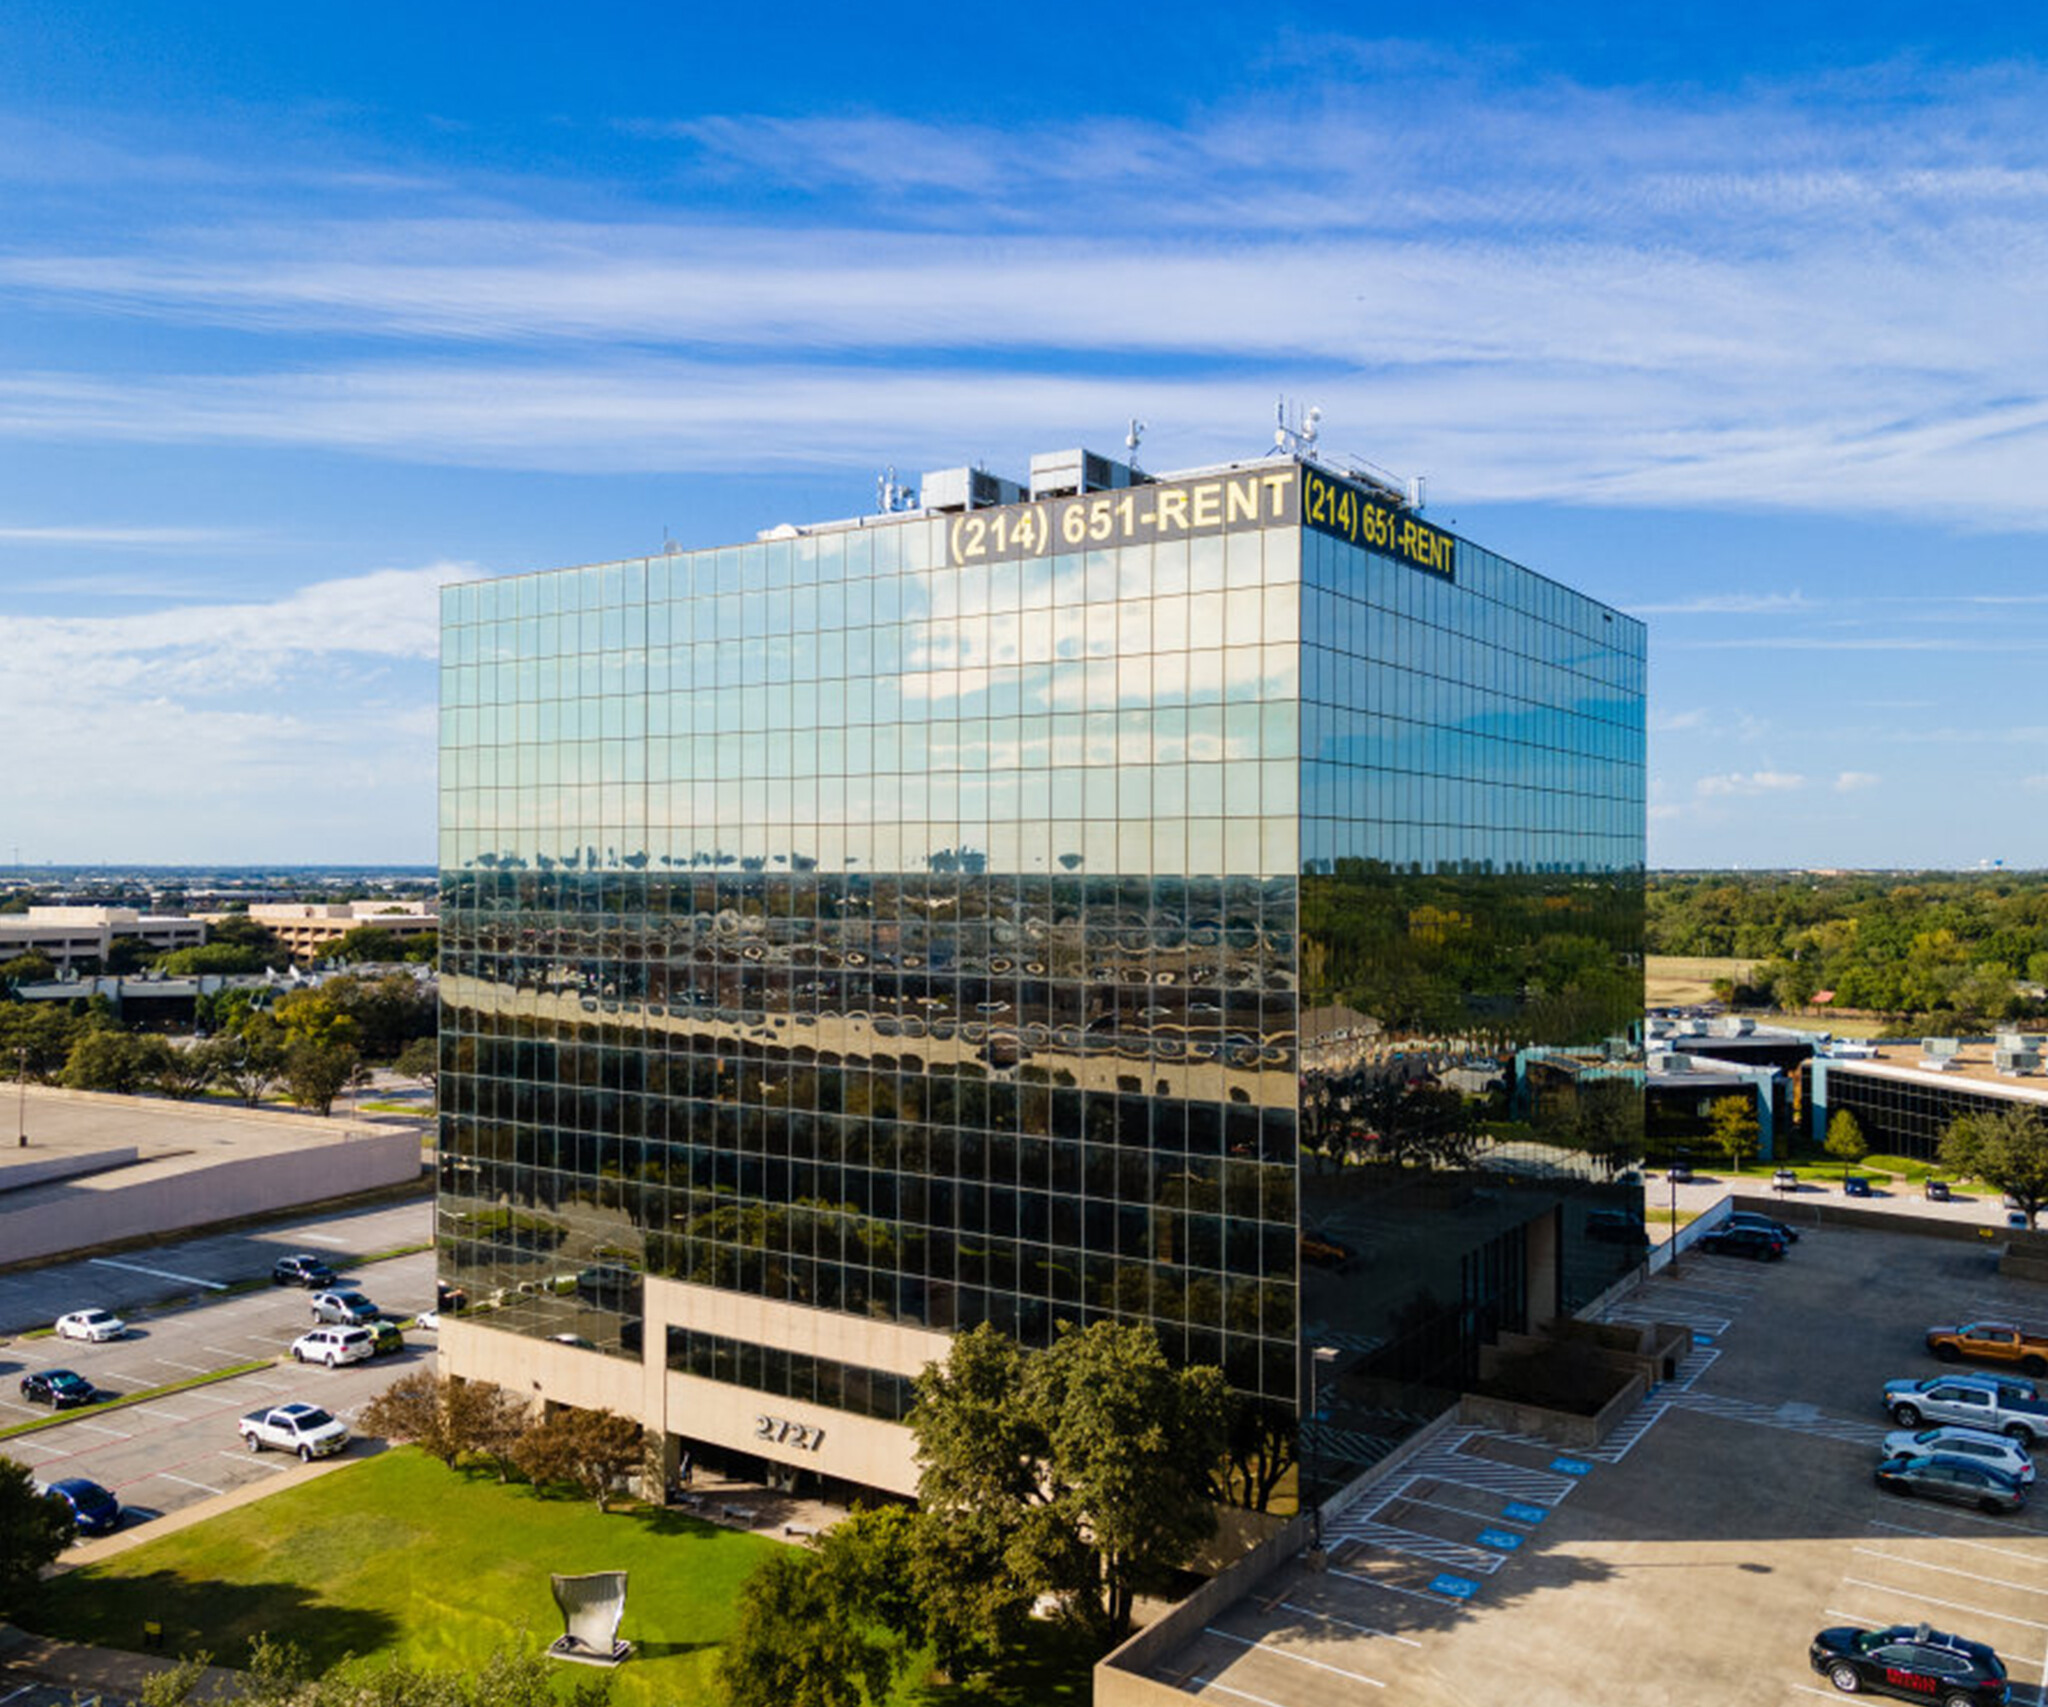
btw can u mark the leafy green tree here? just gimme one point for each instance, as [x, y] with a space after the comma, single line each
[248, 1063]
[419, 1060]
[591, 1450]
[112, 1061]
[1845, 1139]
[423, 948]
[1083, 1468]
[29, 968]
[793, 1645]
[365, 943]
[1734, 1128]
[210, 957]
[319, 1015]
[33, 1531]
[316, 1073]
[126, 955]
[278, 1675]
[1262, 1443]
[2007, 1150]
[181, 1073]
[38, 1036]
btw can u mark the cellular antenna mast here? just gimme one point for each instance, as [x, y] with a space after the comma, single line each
[1131, 439]
[1295, 430]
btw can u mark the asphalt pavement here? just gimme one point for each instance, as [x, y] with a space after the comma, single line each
[175, 1450]
[185, 1268]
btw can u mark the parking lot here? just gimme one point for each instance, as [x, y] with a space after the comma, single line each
[181, 1448]
[1692, 1556]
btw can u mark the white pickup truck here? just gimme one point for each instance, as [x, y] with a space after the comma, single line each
[305, 1429]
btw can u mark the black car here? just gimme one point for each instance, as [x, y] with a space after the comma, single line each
[1616, 1227]
[93, 1510]
[1751, 1242]
[1910, 1663]
[60, 1389]
[1749, 1218]
[1938, 1192]
[301, 1270]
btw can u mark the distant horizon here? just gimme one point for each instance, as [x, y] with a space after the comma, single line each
[1661, 305]
[114, 869]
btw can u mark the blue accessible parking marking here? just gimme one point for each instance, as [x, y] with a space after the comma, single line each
[1699, 1338]
[1571, 1466]
[1500, 1540]
[1515, 1511]
[1458, 1588]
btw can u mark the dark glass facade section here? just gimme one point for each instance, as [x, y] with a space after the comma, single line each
[792, 1374]
[1145, 931]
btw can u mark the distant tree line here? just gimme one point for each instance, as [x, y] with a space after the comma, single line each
[1959, 950]
[310, 1045]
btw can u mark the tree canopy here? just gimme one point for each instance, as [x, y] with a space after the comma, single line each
[2007, 1149]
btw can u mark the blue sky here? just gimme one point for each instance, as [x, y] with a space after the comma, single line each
[1732, 317]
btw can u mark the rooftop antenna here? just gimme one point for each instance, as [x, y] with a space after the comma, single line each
[670, 546]
[889, 496]
[1294, 430]
[1132, 437]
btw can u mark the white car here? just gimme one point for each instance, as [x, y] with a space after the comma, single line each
[91, 1325]
[428, 1319]
[1974, 1444]
[335, 1345]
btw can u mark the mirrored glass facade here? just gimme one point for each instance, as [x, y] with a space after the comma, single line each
[1125, 906]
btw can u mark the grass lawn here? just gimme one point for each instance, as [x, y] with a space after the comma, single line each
[398, 1556]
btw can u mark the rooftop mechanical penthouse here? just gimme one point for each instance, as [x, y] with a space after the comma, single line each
[1114, 895]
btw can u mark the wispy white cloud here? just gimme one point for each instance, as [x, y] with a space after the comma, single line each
[99, 534]
[1752, 782]
[1850, 782]
[1610, 296]
[1730, 604]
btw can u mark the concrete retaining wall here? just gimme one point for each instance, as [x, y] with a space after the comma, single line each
[198, 1197]
[19, 1176]
[1511, 1417]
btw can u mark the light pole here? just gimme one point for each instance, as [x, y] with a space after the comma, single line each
[1320, 1356]
[21, 1097]
[1671, 1178]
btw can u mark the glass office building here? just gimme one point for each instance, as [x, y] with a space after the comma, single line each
[1104, 902]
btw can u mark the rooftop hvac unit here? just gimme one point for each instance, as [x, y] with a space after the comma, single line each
[2016, 1060]
[1064, 473]
[967, 489]
[1941, 1048]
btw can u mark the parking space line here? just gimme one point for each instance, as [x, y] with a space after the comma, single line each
[161, 1273]
[255, 1460]
[1332, 1618]
[189, 1368]
[203, 1487]
[1951, 1571]
[101, 1428]
[1201, 1682]
[1951, 1605]
[1299, 1659]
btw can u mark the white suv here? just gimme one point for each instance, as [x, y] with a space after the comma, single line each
[335, 1345]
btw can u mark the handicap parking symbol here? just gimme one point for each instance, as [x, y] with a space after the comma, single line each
[1500, 1540]
[1515, 1511]
[1571, 1466]
[1699, 1338]
[1457, 1588]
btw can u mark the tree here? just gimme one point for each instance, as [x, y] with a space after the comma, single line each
[791, 1646]
[105, 1060]
[1262, 1443]
[33, 1531]
[248, 1064]
[280, 1676]
[126, 955]
[320, 1015]
[1845, 1139]
[1080, 1471]
[592, 1450]
[210, 957]
[316, 1073]
[181, 1074]
[414, 1409]
[38, 1035]
[2007, 1150]
[364, 943]
[1735, 1131]
[28, 968]
[487, 1419]
[420, 1060]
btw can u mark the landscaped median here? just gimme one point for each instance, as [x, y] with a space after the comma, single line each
[100, 1407]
